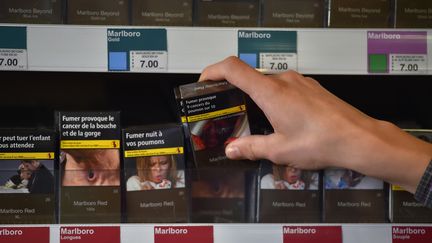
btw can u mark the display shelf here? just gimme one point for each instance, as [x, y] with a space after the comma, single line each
[77, 49]
[190, 49]
[232, 233]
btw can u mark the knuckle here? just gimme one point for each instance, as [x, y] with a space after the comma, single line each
[313, 81]
[252, 153]
[290, 75]
[231, 60]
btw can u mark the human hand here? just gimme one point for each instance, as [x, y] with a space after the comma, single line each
[146, 186]
[309, 122]
[314, 129]
[280, 185]
[165, 184]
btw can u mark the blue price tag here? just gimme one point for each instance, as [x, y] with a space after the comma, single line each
[137, 50]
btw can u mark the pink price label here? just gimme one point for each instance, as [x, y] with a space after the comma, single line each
[24, 234]
[81, 234]
[408, 234]
[183, 234]
[312, 234]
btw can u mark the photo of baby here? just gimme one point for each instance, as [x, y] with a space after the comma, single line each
[283, 177]
[156, 172]
[18, 181]
[349, 179]
[27, 176]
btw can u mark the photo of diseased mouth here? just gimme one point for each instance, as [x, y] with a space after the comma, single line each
[212, 133]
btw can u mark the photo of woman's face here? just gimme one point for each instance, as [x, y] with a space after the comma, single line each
[291, 175]
[159, 167]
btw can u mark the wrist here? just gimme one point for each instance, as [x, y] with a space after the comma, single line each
[392, 155]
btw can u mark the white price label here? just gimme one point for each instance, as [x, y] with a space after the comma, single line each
[148, 61]
[278, 62]
[13, 59]
[407, 63]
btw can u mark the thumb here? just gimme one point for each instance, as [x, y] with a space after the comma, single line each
[252, 147]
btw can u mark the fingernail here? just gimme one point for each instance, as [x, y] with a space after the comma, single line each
[232, 152]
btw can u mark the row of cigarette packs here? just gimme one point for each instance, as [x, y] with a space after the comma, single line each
[223, 13]
[89, 170]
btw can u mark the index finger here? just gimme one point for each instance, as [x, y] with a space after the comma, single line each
[240, 75]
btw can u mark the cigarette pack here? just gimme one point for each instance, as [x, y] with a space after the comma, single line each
[351, 197]
[360, 14]
[293, 13]
[154, 169]
[226, 13]
[288, 195]
[89, 167]
[403, 207]
[162, 12]
[31, 11]
[98, 12]
[222, 190]
[27, 176]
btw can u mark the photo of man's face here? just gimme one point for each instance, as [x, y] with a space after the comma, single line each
[30, 165]
[27, 176]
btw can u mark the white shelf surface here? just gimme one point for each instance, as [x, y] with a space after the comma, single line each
[190, 49]
[234, 233]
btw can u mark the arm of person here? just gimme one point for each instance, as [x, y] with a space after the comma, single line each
[314, 129]
[267, 182]
[133, 184]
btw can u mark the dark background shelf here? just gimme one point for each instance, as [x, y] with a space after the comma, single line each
[29, 99]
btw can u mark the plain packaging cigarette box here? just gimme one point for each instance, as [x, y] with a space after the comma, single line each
[403, 207]
[413, 14]
[27, 176]
[222, 190]
[293, 13]
[288, 195]
[351, 197]
[162, 12]
[98, 12]
[155, 174]
[360, 14]
[89, 166]
[226, 13]
[31, 11]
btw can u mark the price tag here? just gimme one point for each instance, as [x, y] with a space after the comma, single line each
[183, 234]
[278, 62]
[13, 59]
[411, 234]
[268, 51]
[312, 234]
[137, 50]
[397, 52]
[412, 64]
[82, 234]
[24, 234]
[148, 61]
[13, 48]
